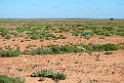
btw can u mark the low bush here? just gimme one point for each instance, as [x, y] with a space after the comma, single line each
[9, 53]
[59, 76]
[120, 32]
[75, 33]
[26, 52]
[55, 49]
[6, 79]
[14, 32]
[50, 35]
[49, 74]
[104, 47]
[67, 49]
[63, 30]
[108, 47]
[3, 32]
[87, 35]
[82, 47]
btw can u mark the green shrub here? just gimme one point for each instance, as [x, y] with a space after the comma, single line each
[82, 47]
[14, 32]
[87, 35]
[105, 33]
[55, 49]
[109, 28]
[63, 30]
[41, 51]
[50, 74]
[99, 32]
[22, 29]
[26, 52]
[50, 35]
[45, 50]
[108, 47]
[67, 49]
[120, 32]
[43, 73]
[34, 36]
[6, 79]
[3, 32]
[9, 53]
[48, 27]
[105, 47]
[75, 32]
[59, 76]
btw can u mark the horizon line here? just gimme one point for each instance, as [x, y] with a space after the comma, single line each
[61, 18]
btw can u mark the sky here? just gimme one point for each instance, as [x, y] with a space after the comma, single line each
[61, 8]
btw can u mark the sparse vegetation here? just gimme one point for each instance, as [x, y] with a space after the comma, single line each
[74, 40]
[56, 49]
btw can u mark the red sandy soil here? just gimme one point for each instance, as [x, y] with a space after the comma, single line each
[78, 67]
[9, 26]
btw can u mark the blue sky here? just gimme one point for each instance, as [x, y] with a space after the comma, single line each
[61, 8]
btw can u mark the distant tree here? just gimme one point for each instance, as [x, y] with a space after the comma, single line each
[111, 18]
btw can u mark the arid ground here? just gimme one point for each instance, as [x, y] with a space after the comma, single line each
[79, 67]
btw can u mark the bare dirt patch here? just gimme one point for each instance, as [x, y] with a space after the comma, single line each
[9, 26]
